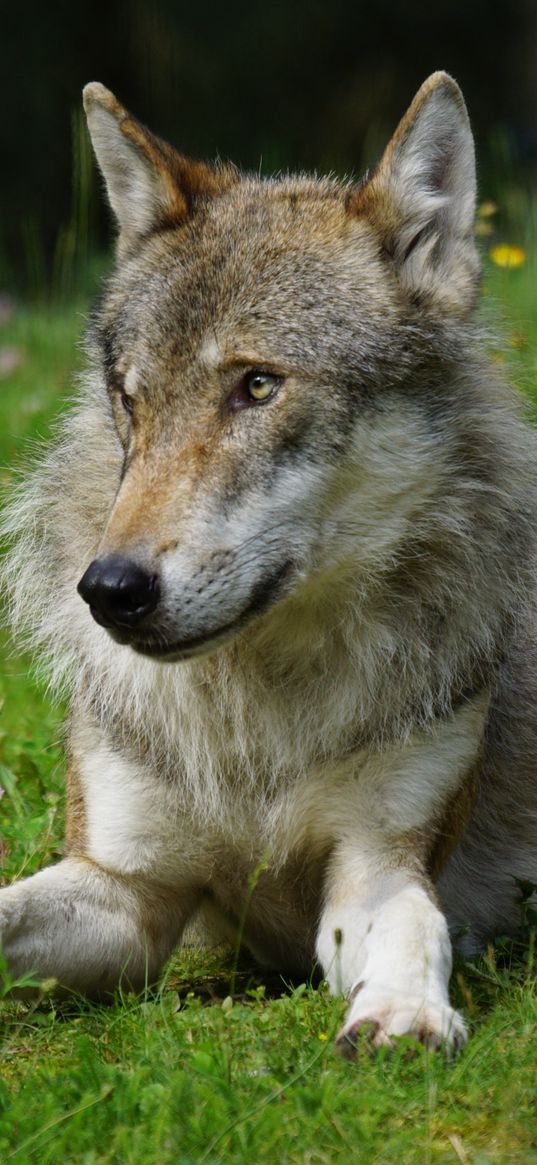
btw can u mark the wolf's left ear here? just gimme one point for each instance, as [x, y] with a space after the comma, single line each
[421, 198]
[149, 184]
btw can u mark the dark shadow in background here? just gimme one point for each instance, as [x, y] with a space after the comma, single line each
[303, 84]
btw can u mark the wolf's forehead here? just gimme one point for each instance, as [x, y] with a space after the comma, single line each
[285, 204]
[260, 227]
[264, 260]
[257, 224]
[252, 234]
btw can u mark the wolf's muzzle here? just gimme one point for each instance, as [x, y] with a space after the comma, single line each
[120, 593]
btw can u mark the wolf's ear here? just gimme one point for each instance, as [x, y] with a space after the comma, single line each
[150, 185]
[421, 198]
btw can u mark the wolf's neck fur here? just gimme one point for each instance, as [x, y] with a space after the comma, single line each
[320, 677]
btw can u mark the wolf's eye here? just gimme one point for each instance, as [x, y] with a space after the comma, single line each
[259, 386]
[255, 388]
[127, 402]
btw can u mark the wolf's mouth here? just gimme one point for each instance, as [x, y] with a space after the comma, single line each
[263, 596]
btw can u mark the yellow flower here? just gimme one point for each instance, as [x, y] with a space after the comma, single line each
[322, 1036]
[487, 209]
[504, 255]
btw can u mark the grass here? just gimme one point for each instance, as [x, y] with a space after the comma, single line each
[219, 1066]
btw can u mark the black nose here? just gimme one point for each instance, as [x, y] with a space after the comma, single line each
[120, 593]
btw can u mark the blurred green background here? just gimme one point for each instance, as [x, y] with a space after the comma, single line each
[303, 83]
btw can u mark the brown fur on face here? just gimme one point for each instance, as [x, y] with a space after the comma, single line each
[185, 437]
[245, 257]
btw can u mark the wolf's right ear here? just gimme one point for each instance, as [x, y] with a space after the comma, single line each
[150, 186]
[421, 199]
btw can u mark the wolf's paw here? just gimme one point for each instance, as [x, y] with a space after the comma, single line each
[377, 1022]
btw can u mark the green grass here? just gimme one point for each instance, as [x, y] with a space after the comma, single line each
[194, 1073]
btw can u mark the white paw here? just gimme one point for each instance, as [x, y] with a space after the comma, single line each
[375, 1021]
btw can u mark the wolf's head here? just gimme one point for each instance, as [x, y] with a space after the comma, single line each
[270, 354]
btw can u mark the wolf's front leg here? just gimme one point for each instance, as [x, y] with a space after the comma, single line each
[384, 943]
[88, 928]
[382, 939]
[112, 911]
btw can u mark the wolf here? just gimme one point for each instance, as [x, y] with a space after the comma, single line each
[282, 556]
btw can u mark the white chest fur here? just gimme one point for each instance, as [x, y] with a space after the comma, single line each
[140, 822]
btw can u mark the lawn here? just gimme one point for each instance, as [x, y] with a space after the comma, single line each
[220, 1066]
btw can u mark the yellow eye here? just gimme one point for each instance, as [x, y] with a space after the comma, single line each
[261, 385]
